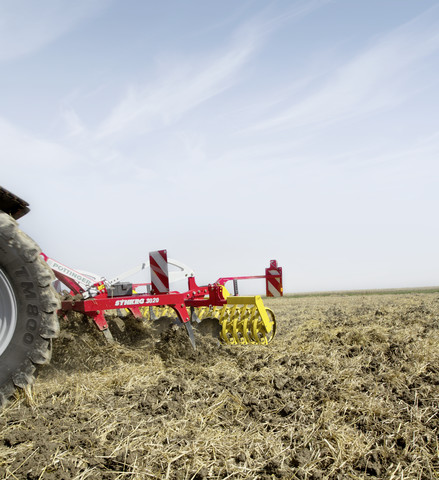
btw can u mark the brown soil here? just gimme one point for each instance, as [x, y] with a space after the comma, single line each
[349, 389]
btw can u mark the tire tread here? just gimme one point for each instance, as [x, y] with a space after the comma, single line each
[24, 375]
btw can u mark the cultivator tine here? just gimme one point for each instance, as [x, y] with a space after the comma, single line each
[194, 316]
[190, 333]
[108, 336]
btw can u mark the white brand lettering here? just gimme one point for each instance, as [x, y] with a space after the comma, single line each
[136, 301]
[70, 273]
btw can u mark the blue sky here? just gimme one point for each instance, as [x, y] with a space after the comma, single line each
[229, 133]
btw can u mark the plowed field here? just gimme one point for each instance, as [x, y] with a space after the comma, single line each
[349, 389]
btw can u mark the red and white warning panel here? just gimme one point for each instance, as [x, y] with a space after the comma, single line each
[158, 262]
[273, 280]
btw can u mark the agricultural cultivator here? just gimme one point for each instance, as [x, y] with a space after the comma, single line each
[29, 304]
[240, 320]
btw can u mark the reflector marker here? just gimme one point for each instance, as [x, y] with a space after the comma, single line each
[274, 292]
[273, 276]
[158, 262]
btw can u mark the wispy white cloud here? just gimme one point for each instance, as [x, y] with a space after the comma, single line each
[26, 26]
[21, 149]
[29, 161]
[295, 12]
[179, 89]
[183, 82]
[432, 138]
[72, 122]
[377, 78]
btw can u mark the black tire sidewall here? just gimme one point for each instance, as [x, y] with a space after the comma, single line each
[24, 282]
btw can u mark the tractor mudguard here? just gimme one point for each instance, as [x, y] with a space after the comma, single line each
[13, 205]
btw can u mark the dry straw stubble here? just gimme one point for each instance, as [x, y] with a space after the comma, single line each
[348, 389]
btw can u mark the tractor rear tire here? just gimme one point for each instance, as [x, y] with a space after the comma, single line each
[28, 309]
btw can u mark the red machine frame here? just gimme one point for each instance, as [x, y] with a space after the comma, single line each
[95, 304]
